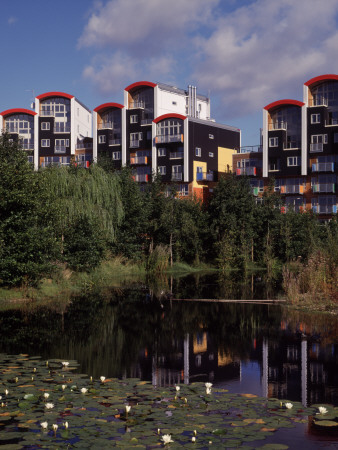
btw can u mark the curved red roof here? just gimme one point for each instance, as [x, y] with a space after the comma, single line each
[169, 116]
[54, 94]
[18, 111]
[108, 105]
[140, 83]
[327, 77]
[283, 102]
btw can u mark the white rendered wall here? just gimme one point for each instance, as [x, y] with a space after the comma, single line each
[1, 124]
[304, 130]
[165, 104]
[81, 123]
[94, 136]
[265, 143]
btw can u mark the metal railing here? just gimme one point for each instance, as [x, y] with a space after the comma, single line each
[323, 167]
[176, 155]
[80, 146]
[331, 122]
[134, 144]
[47, 112]
[318, 100]
[316, 147]
[324, 187]
[246, 171]
[139, 160]
[27, 146]
[137, 105]
[279, 125]
[114, 141]
[176, 176]
[146, 121]
[144, 178]
[60, 149]
[165, 139]
[250, 149]
[293, 145]
[61, 128]
[204, 176]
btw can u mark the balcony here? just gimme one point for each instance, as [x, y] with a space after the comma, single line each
[324, 187]
[279, 125]
[176, 155]
[314, 148]
[323, 167]
[204, 176]
[114, 141]
[136, 105]
[61, 128]
[318, 100]
[47, 113]
[292, 145]
[252, 171]
[176, 177]
[166, 139]
[134, 144]
[105, 125]
[144, 178]
[60, 149]
[324, 209]
[331, 122]
[292, 189]
[82, 146]
[27, 146]
[250, 149]
[139, 160]
[146, 121]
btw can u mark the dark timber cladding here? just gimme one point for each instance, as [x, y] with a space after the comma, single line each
[50, 134]
[200, 136]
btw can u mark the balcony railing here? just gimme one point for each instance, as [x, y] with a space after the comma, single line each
[279, 125]
[134, 105]
[318, 100]
[61, 128]
[176, 177]
[139, 160]
[331, 122]
[60, 149]
[114, 141]
[324, 187]
[316, 147]
[292, 189]
[47, 112]
[246, 171]
[144, 178]
[146, 121]
[250, 149]
[204, 176]
[81, 146]
[165, 139]
[134, 144]
[323, 167]
[176, 155]
[293, 145]
[324, 209]
[105, 125]
[27, 146]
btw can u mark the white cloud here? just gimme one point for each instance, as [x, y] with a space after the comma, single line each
[12, 20]
[266, 51]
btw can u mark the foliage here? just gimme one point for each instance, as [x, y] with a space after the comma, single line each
[26, 241]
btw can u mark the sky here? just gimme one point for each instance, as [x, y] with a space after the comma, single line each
[244, 54]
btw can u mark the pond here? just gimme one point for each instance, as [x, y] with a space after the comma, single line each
[147, 333]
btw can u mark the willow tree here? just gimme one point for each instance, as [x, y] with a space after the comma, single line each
[86, 198]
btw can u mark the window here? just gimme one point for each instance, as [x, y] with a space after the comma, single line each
[274, 164]
[162, 170]
[174, 103]
[134, 118]
[319, 139]
[199, 169]
[45, 126]
[45, 142]
[273, 142]
[136, 136]
[198, 151]
[183, 190]
[62, 142]
[315, 118]
[116, 156]
[148, 135]
[293, 161]
[102, 139]
[161, 151]
[211, 154]
[211, 136]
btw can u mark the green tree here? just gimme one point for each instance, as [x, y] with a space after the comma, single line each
[26, 238]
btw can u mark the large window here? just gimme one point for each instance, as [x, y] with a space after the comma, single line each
[169, 127]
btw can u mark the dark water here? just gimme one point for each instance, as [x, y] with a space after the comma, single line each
[140, 332]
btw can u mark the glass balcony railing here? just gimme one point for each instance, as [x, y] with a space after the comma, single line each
[316, 147]
[81, 146]
[144, 178]
[134, 144]
[204, 176]
[176, 155]
[27, 146]
[134, 105]
[318, 100]
[324, 209]
[279, 125]
[146, 121]
[61, 128]
[331, 122]
[60, 149]
[252, 171]
[114, 141]
[324, 187]
[323, 167]
[176, 177]
[139, 160]
[292, 189]
[166, 139]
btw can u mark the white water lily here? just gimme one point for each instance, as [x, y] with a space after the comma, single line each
[44, 425]
[195, 432]
[322, 410]
[16, 379]
[65, 363]
[193, 439]
[208, 385]
[46, 395]
[6, 391]
[84, 390]
[177, 388]
[66, 425]
[166, 438]
[49, 405]
[55, 427]
[102, 379]
[158, 430]
[208, 391]
[128, 408]
[64, 387]
[288, 405]
[34, 370]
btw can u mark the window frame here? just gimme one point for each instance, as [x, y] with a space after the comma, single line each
[102, 139]
[198, 152]
[273, 141]
[45, 143]
[47, 124]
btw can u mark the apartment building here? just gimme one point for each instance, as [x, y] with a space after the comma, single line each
[166, 130]
[300, 149]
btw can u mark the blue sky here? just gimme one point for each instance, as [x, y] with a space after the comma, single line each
[244, 53]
